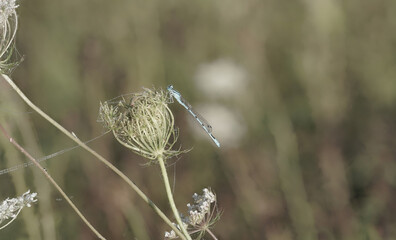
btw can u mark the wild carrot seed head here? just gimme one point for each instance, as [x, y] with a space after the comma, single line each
[8, 28]
[143, 123]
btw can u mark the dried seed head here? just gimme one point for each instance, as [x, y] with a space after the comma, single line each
[142, 122]
[8, 28]
[7, 8]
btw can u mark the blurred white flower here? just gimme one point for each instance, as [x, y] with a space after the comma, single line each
[221, 78]
[227, 125]
[10, 208]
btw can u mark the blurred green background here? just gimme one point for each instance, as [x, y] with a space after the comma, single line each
[301, 95]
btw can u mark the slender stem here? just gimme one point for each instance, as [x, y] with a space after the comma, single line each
[211, 234]
[98, 156]
[51, 180]
[170, 197]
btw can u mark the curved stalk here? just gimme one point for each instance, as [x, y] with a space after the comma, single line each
[52, 181]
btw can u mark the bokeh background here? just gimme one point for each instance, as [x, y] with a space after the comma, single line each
[301, 95]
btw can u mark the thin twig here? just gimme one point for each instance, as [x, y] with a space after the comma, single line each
[51, 180]
[211, 234]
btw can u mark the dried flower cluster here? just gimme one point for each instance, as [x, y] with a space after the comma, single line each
[201, 214]
[7, 8]
[10, 208]
[142, 122]
[8, 28]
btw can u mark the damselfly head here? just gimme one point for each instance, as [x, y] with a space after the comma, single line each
[170, 87]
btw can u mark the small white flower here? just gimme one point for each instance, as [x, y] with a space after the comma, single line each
[200, 214]
[201, 206]
[10, 208]
[170, 235]
[209, 196]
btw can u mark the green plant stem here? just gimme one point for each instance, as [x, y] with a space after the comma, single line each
[98, 156]
[170, 196]
[51, 180]
[211, 234]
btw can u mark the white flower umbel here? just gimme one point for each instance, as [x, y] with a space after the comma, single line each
[201, 207]
[10, 208]
[201, 215]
